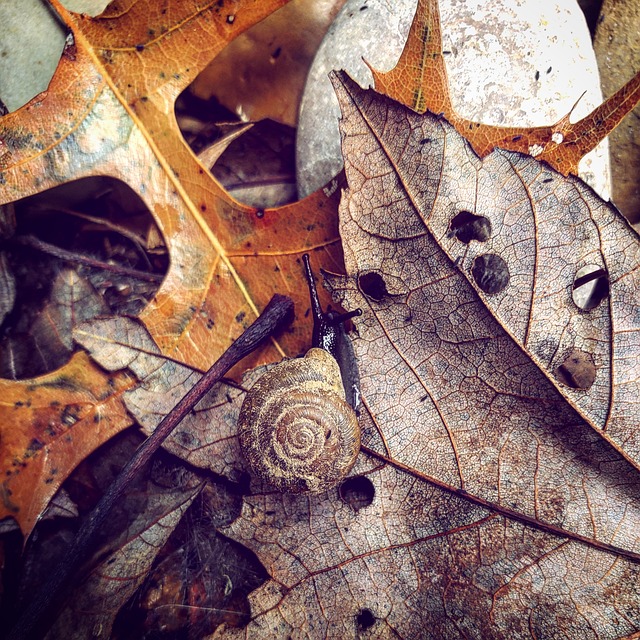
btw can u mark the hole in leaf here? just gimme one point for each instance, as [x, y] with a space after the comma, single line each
[86, 248]
[365, 619]
[357, 492]
[590, 287]
[373, 286]
[255, 163]
[491, 273]
[467, 226]
[577, 370]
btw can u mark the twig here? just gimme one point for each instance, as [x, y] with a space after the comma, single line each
[278, 312]
[70, 256]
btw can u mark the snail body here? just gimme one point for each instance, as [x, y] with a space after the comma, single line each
[297, 432]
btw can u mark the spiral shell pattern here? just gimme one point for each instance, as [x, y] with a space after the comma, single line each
[296, 430]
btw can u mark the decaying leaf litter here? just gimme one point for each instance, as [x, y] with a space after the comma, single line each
[437, 539]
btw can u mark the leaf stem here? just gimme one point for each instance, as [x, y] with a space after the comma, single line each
[278, 312]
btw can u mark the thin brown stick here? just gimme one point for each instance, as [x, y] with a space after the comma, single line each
[79, 258]
[278, 312]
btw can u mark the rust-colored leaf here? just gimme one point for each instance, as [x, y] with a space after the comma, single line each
[419, 81]
[262, 73]
[50, 424]
[109, 110]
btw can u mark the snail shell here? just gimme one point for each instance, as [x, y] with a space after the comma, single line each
[296, 430]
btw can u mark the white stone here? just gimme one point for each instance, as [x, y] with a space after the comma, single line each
[511, 63]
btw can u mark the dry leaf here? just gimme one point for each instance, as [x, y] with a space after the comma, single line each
[207, 436]
[507, 506]
[262, 73]
[95, 603]
[419, 562]
[109, 111]
[50, 424]
[419, 80]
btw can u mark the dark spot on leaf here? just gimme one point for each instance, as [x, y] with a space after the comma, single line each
[240, 317]
[467, 226]
[231, 19]
[373, 285]
[425, 140]
[357, 492]
[70, 415]
[516, 138]
[577, 371]
[590, 287]
[276, 54]
[491, 273]
[139, 47]
[549, 69]
[203, 207]
[260, 213]
[537, 76]
[35, 445]
[365, 619]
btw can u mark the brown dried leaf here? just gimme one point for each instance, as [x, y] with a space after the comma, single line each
[95, 603]
[507, 506]
[72, 300]
[419, 562]
[542, 230]
[206, 438]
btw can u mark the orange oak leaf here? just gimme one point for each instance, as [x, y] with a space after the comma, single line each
[419, 80]
[109, 111]
[49, 425]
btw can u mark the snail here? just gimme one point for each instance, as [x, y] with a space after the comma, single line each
[297, 431]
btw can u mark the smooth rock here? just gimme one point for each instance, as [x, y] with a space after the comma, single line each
[511, 63]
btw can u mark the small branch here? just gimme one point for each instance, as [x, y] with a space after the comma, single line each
[278, 312]
[78, 258]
